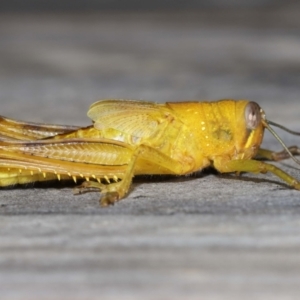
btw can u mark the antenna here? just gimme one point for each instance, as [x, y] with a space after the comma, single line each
[267, 125]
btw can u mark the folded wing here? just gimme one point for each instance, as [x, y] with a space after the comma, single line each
[136, 118]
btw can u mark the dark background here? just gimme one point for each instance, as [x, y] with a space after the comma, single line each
[133, 5]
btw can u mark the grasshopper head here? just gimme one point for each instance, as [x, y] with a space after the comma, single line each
[255, 122]
[250, 129]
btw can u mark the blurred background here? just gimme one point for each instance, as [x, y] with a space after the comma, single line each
[58, 57]
[64, 55]
[117, 5]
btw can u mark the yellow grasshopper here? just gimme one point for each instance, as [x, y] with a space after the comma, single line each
[130, 137]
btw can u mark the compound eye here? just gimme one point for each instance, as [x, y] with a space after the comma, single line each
[252, 115]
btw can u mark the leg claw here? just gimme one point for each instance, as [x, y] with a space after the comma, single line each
[109, 198]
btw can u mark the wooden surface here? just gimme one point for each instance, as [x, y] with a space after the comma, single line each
[203, 237]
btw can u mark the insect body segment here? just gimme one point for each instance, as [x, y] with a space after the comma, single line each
[131, 138]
